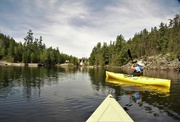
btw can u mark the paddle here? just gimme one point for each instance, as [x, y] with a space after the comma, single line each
[129, 53]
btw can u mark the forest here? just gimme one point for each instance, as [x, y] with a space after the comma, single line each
[160, 40]
[33, 50]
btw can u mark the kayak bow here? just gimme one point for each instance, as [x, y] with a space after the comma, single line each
[109, 111]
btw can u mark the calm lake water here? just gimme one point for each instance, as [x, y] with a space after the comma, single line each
[71, 95]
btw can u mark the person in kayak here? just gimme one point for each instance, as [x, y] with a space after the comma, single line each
[138, 70]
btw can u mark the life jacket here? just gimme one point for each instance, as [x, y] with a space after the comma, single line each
[140, 68]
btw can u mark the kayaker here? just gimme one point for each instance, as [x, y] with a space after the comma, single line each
[138, 70]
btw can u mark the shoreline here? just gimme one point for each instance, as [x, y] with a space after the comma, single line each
[4, 63]
[151, 63]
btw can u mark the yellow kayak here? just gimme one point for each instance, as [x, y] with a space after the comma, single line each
[139, 79]
[165, 91]
[109, 111]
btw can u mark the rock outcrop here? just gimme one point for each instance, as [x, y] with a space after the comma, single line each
[159, 62]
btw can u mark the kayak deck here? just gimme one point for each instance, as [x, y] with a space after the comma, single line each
[139, 79]
[109, 111]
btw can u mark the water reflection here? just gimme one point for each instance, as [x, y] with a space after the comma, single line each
[57, 91]
[97, 76]
[28, 78]
[136, 97]
[140, 87]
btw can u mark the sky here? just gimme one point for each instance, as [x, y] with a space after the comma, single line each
[76, 26]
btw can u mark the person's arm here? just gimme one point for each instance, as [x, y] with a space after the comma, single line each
[133, 67]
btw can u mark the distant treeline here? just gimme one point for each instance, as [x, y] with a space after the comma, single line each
[164, 40]
[31, 51]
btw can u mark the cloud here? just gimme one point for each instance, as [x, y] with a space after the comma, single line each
[77, 26]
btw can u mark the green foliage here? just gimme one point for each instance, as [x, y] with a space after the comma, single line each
[164, 40]
[32, 51]
[171, 57]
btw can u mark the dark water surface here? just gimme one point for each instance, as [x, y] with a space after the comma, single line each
[63, 95]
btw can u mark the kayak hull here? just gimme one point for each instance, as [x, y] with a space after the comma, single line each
[139, 79]
[109, 111]
[164, 91]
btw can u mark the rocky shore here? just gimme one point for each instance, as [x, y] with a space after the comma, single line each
[4, 63]
[159, 62]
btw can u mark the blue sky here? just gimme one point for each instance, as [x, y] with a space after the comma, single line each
[76, 26]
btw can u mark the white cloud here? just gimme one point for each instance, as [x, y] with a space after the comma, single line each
[77, 26]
